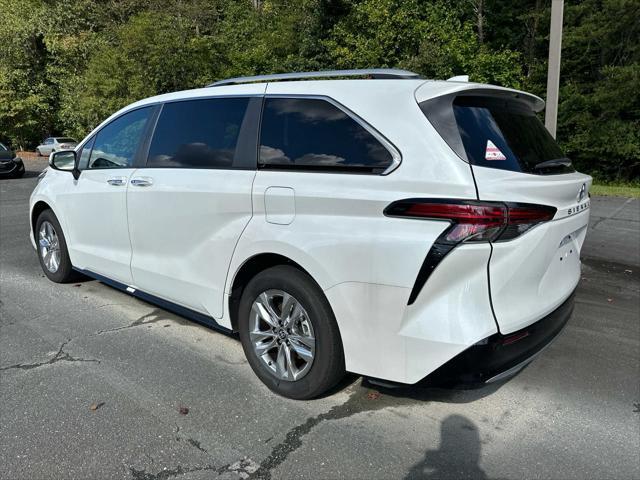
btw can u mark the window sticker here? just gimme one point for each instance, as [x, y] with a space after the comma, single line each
[492, 152]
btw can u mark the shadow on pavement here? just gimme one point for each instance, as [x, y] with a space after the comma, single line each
[423, 392]
[458, 455]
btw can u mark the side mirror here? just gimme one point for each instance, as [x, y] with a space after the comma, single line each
[65, 161]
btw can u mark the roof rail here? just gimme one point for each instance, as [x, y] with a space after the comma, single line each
[376, 73]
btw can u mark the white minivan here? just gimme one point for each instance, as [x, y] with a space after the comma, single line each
[385, 225]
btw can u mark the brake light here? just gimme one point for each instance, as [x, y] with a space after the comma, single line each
[523, 217]
[471, 221]
[474, 221]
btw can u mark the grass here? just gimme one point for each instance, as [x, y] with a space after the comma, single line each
[616, 189]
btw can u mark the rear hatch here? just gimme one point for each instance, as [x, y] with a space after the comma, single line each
[515, 160]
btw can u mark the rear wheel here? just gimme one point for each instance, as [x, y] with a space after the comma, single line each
[289, 333]
[52, 248]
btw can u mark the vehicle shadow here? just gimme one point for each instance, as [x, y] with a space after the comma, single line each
[458, 455]
[31, 173]
[425, 392]
[27, 174]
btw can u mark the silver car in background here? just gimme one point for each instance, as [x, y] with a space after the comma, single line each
[53, 144]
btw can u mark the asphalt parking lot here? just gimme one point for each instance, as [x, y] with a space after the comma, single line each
[172, 399]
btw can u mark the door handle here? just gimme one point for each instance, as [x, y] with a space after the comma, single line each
[142, 182]
[116, 181]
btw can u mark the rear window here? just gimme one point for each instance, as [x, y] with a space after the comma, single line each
[66, 140]
[498, 132]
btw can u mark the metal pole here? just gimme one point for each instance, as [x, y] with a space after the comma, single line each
[553, 74]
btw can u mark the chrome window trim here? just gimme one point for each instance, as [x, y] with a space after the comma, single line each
[396, 156]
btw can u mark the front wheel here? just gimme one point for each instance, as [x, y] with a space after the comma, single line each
[289, 333]
[52, 248]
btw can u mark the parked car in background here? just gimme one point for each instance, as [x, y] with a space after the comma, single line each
[54, 144]
[392, 226]
[10, 164]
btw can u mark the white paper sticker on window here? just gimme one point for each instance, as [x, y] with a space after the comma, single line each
[492, 152]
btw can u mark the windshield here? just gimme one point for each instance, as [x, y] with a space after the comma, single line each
[506, 134]
[3, 148]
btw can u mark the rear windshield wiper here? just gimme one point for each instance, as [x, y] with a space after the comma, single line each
[558, 162]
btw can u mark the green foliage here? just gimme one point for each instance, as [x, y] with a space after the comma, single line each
[599, 112]
[65, 65]
[434, 39]
[142, 60]
[600, 129]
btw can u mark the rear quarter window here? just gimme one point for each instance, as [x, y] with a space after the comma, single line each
[315, 135]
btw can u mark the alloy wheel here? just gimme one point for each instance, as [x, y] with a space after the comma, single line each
[282, 335]
[49, 246]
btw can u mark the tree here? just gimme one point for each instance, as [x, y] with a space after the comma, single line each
[67, 64]
[435, 39]
[152, 53]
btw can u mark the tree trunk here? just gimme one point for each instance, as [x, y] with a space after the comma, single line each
[530, 46]
[480, 17]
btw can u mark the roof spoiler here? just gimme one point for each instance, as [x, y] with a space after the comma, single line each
[459, 78]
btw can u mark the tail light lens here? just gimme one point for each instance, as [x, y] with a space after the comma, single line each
[473, 221]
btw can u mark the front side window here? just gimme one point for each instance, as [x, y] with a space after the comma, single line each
[116, 144]
[313, 134]
[197, 133]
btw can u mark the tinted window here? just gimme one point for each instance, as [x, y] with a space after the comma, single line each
[65, 140]
[116, 144]
[314, 134]
[85, 154]
[3, 148]
[506, 135]
[197, 133]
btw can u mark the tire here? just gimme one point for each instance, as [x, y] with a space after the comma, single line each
[315, 317]
[64, 272]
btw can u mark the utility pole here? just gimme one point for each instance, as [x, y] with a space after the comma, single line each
[553, 73]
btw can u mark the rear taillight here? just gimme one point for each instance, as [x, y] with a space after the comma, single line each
[471, 221]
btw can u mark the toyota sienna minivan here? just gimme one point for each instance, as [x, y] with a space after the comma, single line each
[365, 221]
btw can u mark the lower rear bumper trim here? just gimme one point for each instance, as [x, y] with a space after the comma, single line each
[500, 356]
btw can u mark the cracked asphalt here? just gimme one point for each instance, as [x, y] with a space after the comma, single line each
[97, 384]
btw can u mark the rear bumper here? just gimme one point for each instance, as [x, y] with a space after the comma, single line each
[501, 356]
